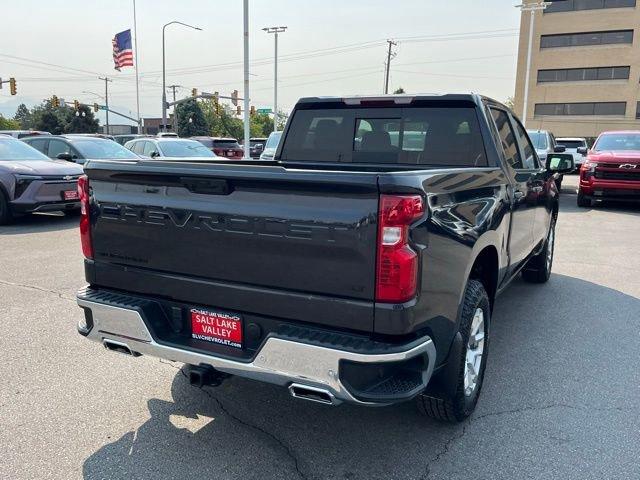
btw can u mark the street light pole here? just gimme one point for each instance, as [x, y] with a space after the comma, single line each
[164, 72]
[106, 99]
[275, 31]
[529, 7]
[247, 118]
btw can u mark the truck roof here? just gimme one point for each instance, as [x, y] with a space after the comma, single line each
[400, 99]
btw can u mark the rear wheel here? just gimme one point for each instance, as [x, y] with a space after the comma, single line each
[583, 201]
[538, 269]
[5, 211]
[456, 389]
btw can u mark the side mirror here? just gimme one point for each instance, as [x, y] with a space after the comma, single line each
[559, 149]
[582, 151]
[65, 156]
[154, 154]
[560, 163]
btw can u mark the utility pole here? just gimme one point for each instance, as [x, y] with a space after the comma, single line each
[175, 119]
[164, 71]
[389, 56]
[529, 7]
[276, 31]
[247, 117]
[106, 99]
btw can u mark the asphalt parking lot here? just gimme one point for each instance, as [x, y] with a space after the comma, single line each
[560, 400]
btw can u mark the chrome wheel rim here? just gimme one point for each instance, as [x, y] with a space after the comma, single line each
[550, 245]
[475, 349]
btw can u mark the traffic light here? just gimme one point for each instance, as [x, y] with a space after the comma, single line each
[12, 86]
[239, 110]
[252, 110]
[234, 98]
[194, 92]
[76, 104]
[55, 101]
[95, 107]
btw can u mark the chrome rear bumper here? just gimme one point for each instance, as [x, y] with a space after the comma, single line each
[280, 361]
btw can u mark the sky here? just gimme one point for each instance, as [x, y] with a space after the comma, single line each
[331, 47]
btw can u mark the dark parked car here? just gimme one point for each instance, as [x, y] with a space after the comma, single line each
[79, 148]
[122, 139]
[222, 147]
[363, 268]
[32, 182]
[167, 147]
[256, 146]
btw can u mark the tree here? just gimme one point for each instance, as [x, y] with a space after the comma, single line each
[48, 121]
[191, 120]
[82, 121]
[399, 90]
[9, 124]
[510, 103]
[282, 119]
[23, 117]
[261, 125]
[222, 124]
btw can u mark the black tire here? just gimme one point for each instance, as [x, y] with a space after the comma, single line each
[446, 399]
[5, 212]
[583, 201]
[538, 268]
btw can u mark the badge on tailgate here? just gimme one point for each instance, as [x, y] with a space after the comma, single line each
[217, 327]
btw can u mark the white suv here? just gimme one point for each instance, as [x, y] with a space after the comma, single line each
[575, 146]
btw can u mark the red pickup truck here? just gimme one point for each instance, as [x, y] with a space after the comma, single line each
[612, 169]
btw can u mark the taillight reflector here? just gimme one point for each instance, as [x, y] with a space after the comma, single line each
[85, 220]
[397, 262]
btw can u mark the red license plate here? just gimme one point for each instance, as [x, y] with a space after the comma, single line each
[71, 195]
[217, 327]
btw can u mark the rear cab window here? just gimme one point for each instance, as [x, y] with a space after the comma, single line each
[226, 144]
[431, 135]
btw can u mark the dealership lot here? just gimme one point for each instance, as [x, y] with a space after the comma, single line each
[560, 399]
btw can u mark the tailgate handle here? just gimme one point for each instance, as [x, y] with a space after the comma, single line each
[207, 186]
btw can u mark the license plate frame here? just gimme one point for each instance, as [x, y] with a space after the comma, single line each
[217, 326]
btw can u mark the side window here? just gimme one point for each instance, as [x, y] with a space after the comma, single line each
[530, 158]
[40, 144]
[57, 147]
[148, 148]
[138, 147]
[507, 138]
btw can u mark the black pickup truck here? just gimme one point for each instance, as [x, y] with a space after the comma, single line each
[361, 265]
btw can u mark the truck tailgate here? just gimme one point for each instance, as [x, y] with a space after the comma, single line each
[250, 229]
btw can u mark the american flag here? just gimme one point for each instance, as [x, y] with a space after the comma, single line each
[122, 51]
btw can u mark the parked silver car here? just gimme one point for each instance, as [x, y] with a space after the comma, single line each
[167, 147]
[271, 146]
[32, 182]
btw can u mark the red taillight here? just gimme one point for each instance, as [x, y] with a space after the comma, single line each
[85, 222]
[397, 263]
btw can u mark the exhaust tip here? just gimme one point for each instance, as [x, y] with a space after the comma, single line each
[312, 394]
[119, 348]
[200, 376]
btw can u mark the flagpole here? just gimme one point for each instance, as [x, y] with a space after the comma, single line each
[135, 46]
